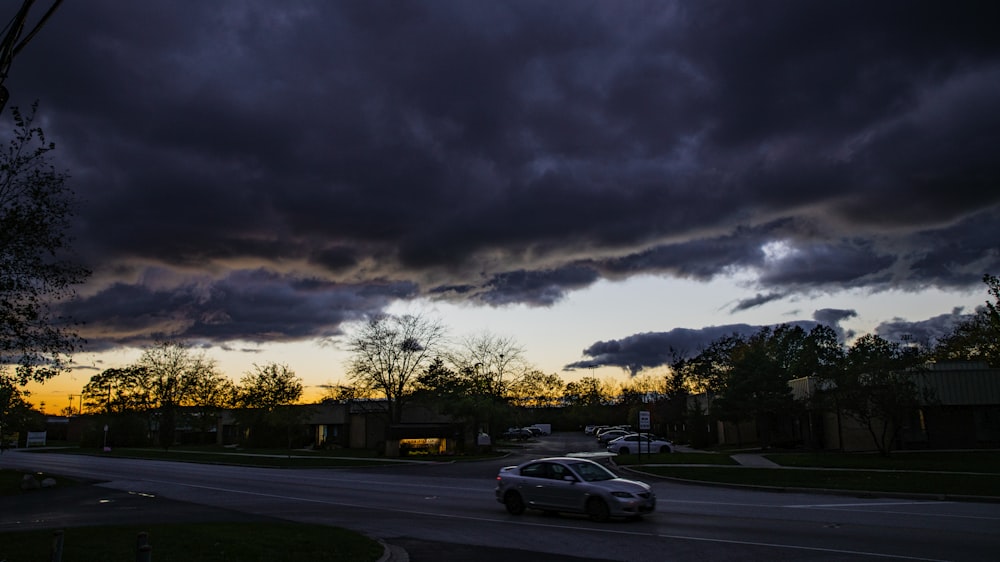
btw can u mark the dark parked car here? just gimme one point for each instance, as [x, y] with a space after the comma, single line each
[517, 434]
[576, 485]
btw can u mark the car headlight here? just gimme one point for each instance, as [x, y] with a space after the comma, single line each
[621, 494]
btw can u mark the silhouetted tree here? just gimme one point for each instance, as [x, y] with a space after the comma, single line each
[536, 389]
[14, 408]
[755, 380]
[878, 388]
[977, 339]
[492, 363]
[267, 396]
[389, 352]
[171, 374]
[35, 271]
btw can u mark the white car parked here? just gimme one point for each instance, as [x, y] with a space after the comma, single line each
[632, 443]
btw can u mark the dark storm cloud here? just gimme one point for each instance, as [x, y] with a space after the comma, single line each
[833, 317]
[925, 333]
[655, 349]
[756, 300]
[250, 306]
[510, 152]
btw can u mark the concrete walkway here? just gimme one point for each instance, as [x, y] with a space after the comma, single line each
[757, 461]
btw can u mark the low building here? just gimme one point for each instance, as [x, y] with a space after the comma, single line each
[962, 412]
[364, 424]
[965, 413]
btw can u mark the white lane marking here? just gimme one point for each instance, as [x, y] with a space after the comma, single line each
[871, 504]
[853, 506]
[563, 527]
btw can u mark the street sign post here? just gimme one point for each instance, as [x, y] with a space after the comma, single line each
[643, 426]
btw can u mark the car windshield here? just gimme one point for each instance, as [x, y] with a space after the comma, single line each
[592, 472]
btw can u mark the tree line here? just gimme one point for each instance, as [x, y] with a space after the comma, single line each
[485, 381]
[171, 385]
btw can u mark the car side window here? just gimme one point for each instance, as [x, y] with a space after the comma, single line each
[537, 470]
[557, 471]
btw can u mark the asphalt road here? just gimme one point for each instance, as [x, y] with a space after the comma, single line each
[448, 512]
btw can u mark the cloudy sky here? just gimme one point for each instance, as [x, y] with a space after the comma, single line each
[601, 181]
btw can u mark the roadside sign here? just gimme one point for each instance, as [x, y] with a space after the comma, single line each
[644, 419]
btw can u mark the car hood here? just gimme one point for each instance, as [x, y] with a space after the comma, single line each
[623, 485]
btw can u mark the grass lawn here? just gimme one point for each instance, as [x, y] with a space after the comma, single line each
[959, 473]
[676, 458]
[946, 461]
[200, 542]
[941, 483]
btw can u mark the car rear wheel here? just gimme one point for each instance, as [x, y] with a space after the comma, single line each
[597, 510]
[514, 504]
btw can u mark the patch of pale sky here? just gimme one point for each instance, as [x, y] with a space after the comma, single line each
[557, 335]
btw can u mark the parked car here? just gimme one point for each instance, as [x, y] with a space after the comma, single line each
[610, 434]
[589, 430]
[517, 434]
[535, 431]
[572, 485]
[634, 442]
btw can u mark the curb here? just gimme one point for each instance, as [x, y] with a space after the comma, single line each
[393, 553]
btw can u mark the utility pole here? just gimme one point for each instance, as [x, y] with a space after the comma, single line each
[12, 43]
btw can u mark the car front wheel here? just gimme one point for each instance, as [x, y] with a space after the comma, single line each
[597, 510]
[623, 451]
[514, 504]
[665, 449]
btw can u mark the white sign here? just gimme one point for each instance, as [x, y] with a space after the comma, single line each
[644, 419]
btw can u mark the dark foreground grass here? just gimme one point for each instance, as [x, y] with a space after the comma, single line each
[201, 542]
[935, 483]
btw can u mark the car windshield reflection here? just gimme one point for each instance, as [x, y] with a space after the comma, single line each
[591, 472]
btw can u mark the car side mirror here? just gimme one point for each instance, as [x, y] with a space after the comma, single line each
[569, 478]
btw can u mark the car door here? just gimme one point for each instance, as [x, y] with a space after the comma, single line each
[627, 442]
[564, 491]
[535, 485]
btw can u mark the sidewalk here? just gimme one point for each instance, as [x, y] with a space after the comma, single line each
[757, 461]
[745, 459]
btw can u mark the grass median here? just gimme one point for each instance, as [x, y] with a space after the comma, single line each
[938, 473]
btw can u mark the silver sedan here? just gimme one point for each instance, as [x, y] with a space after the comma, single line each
[573, 485]
[639, 443]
